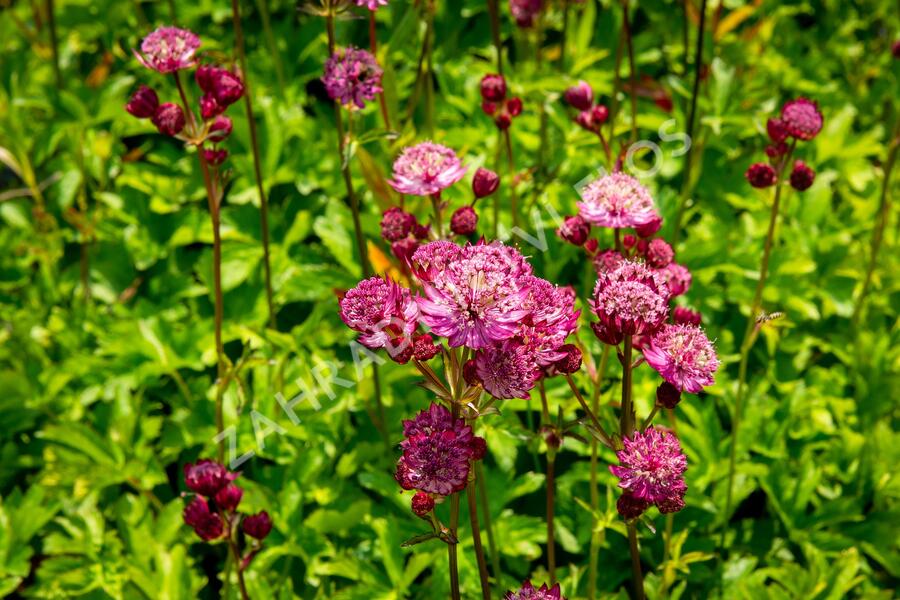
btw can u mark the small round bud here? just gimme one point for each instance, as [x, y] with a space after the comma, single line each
[895, 49]
[667, 395]
[776, 150]
[659, 253]
[760, 175]
[169, 119]
[209, 108]
[630, 507]
[493, 88]
[485, 183]
[424, 348]
[220, 129]
[257, 526]
[229, 497]
[648, 229]
[514, 107]
[580, 95]
[401, 350]
[464, 221]
[776, 130]
[478, 447]
[503, 121]
[422, 504]
[143, 103]
[685, 316]
[470, 373]
[574, 230]
[801, 118]
[591, 245]
[215, 157]
[599, 114]
[420, 232]
[396, 224]
[802, 176]
[571, 362]
[670, 505]
[489, 108]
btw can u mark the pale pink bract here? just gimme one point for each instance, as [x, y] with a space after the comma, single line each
[616, 200]
[168, 49]
[425, 169]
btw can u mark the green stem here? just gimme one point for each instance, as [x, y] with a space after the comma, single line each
[373, 46]
[254, 144]
[438, 214]
[236, 560]
[750, 337]
[636, 573]
[494, 11]
[692, 115]
[452, 557]
[513, 201]
[486, 511]
[626, 429]
[429, 80]
[594, 555]
[564, 35]
[649, 418]
[54, 44]
[593, 417]
[275, 55]
[476, 540]
[550, 487]
[632, 75]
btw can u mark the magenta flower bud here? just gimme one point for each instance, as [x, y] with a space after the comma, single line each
[642, 246]
[169, 119]
[802, 176]
[649, 228]
[422, 504]
[667, 395]
[503, 121]
[514, 107]
[257, 526]
[895, 49]
[227, 87]
[629, 241]
[485, 183]
[489, 108]
[424, 348]
[659, 253]
[776, 130]
[215, 157]
[478, 447]
[574, 230]
[229, 497]
[207, 477]
[776, 150]
[524, 11]
[801, 118]
[685, 316]
[760, 175]
[420, 232]
[630, 507]
[220, 129]
[591, 246]
[396, 224]
[404, 249]
[143, 103]
[671, 505]
[599, 114]
[470, 372]
[571, 362]
[208, 525]
[580, 95]
[464, 221]
[209, 108]
[401, 350]
[493, 88]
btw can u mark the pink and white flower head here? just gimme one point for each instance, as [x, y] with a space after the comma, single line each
[168, 49]
[552, 318]
[684, 356]
[381, 310]
[529, 592]
[801, 118]
[631, 300]
[436, 452]
[507, 370]
[474, 295]
[352, 76]
[616, 200]
[372, 5]
[678, 278]
[652, 466]
[425, 169]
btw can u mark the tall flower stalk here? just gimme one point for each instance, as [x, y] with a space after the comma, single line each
[254, 145]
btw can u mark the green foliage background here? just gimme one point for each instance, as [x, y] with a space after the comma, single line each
[103, 398]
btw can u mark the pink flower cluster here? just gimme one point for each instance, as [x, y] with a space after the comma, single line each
[425, 169]
[617, 200]
[800, 120]
[352, 76]
[651, 471]
[213, 511]
[529, 592]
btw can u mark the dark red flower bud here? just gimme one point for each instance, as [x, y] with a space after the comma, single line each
[591, 246]
[503, 121]
[204, 76]
[607, 335]
[650, 228]
[667, 395]
[401, 350]
[629, 241]
[493, 88]
[642, 246]
[209, 108]
[220, 129]
[478, 447]
[229, 497]
[215, 157]
[599, 115]
[470, 373]
[664, 102]
[760, 175]
[206, 524]
[659, 253]
[143, 103]
[227, 87]
[776, 130]
[586, 120]
[396, 224]
[420, 232]
[424, 348]
[257, 526]
[571, 362]
[895, 49]
[686, 316]
[485, 183]
[489, 108]
[802, 177]
[464, 221]
[422, 503]
[574, 230]
[776, 150]
[580, 95]
[207, 477]
[630, 507]
[671, 505]
[514, 107]
[169, 119]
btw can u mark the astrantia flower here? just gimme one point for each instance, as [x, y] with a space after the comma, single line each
[677, 277]
[436, 452]
[801, 118]
[617, 200]
[206, 524]
[168, 49]
[473, 295]
[257, 526]
[425, 169]
[659, 253]
[396, 224]
[631, 300]
[529, 592]
[507, 370]
[381, 310]
[652, 466]
[580, 95]
[524, 11]
[352, 76]
[608, 260]
[802, 177]
[552, 318]
[207, 477]
[761, 175]
[684, 356]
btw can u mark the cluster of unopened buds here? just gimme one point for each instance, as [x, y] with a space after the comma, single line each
[170, 50]
[800, 121]
[494, 101]
[590, 116]
[213, 510]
